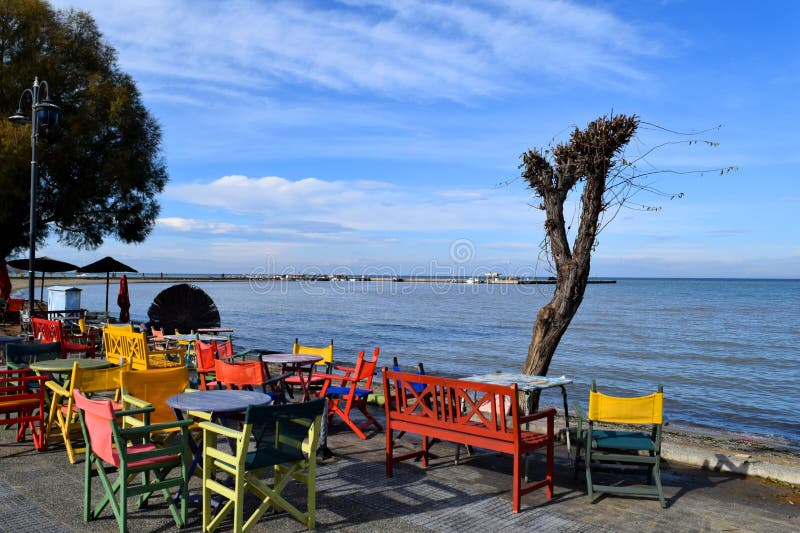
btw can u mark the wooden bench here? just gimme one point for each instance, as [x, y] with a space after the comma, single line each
[468, 413]
[123, 345]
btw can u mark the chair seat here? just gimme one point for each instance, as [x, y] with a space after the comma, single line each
[295, 380]
[622, 440]
[15, 405]
[141, 448]
[339, 391]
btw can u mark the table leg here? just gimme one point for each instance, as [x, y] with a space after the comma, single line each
[566, 421]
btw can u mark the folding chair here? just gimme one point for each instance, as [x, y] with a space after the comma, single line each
[621, 447]
[63, 411]
[131, 453]
[284, 437]
[351, 392]
[23, 404]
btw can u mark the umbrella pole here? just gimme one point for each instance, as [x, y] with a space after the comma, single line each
[108, 274]
[41, 291]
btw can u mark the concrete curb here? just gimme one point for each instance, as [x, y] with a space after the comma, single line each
[743, 464]
[706, 459]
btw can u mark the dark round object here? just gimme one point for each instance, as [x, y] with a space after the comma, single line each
[183, 308]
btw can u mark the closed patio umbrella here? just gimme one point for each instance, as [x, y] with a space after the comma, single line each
[43, 264]
[5, 281]
[108, 265]
[123, 300]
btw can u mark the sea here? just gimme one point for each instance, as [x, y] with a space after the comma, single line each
[727, 351]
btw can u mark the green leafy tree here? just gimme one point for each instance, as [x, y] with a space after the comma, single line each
[100, 169]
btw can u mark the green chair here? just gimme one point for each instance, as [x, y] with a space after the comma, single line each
[21, 355]
[621, 446]
[131, 453]
[284, 437]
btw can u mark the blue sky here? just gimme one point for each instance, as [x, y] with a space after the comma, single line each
[373, 134]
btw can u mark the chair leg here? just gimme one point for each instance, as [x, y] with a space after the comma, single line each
[588, 460]
[657, 477]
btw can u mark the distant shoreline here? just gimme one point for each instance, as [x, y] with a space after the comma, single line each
[21, 283]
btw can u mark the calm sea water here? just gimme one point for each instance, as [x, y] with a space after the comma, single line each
[727, 351]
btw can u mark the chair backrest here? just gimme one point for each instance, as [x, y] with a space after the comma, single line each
[206, 355]
[283, 433]
[124, 342]
[224, 349]
[95, 379]
[155, 386]
[14, 305]
[47, 330]
[97, 417]
[326, 352]
[22, 355]
[240, 374]
[638, 410]
[365, 370]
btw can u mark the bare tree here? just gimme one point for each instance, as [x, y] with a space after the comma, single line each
[594, 160]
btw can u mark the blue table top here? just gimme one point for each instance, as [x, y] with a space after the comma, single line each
[218, 401]
[7, 339]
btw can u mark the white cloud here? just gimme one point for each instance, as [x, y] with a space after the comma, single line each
[366, 205]
[193, 225]
[417, 49]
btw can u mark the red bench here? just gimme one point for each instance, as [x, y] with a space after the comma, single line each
[468, 413]
[53, 331]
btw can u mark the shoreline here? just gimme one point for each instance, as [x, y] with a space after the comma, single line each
[703, 447]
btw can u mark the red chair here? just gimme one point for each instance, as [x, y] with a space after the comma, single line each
[53, 331]
[351, 392]
[23, 404]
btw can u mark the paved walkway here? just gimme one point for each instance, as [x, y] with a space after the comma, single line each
[43, 492]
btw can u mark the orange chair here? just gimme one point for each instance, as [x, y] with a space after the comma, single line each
[53, 331]
[240, 375]
[25, 403]
[248, 375]
[206, 356]
[354, 387]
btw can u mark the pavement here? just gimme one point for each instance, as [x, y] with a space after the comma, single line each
[43, 492]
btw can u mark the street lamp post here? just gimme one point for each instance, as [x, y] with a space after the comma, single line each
[43, 113]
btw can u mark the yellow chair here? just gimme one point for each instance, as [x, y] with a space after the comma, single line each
[151, 388]
[603, 447]
[281, 437]
[63, 418]
[122, 343]
[326, 352]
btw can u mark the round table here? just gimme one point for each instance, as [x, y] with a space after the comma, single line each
[215, 402]
[218, 401]
[64, 366]
[302, 364]
[289, 358]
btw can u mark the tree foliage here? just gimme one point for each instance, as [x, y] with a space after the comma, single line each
[100, 169]
[593, 165]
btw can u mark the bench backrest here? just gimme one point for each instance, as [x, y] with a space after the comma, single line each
[123, 342]
[445, 403]
[50, 330]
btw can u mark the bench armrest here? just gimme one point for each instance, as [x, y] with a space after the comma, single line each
[547, 413]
